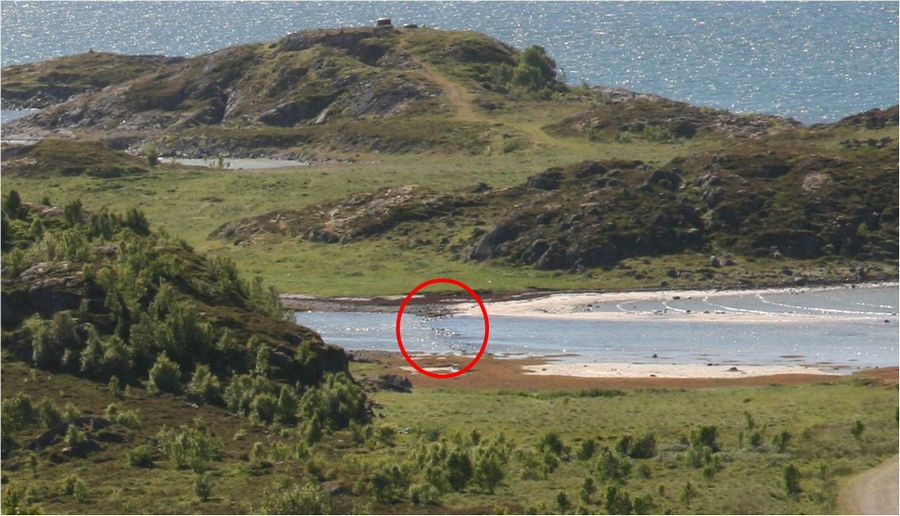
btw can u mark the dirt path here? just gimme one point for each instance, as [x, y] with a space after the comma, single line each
[874, 491]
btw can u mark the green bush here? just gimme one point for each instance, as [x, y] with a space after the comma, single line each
[706, 436]
[307, 499]
[335, 402]
[588, 488]
[263, 408]
[641, 448]
[165, 376]
[242, 390]
[190, 447]
[19, 500]
[792, 480]
[203, 486]
[48, 414]
[459, 469]
[18, 413]
[389, 483]
[617, 501]
[206, 385]
[141, 456]
[424, 494]
[488, 471]
[562, 502]
[587, 449]
[612, 466]
[551, 442]
[781, 441]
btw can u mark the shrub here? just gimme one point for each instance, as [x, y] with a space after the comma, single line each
[18, 413]
[756, 439]
[45, 350]
[532, 467]
[641, 448]
[613, 467]
[488, 471]
[335, 402]
[19, 500]
[286, 407]
[387, 435]
[74, 436]
[781, 441]
[203, 486]
[127, 418]
[459, 469]
[688, 493]
[642, 504]
[587, 449]
[76, 488]
[424, 494]
[588, 488]
[165, 376]
[307, 499]
[792, 480]
[562, 501]
[706, 436]
[193, 447]
[263, 407]
[72, 212]
[857, 429]
[551, 442]
[141, 456]
[206, 385]
[114, 387]
[617, 501]
[242, 390]
[388, 483]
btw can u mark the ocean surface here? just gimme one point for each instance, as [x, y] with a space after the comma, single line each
[814, 61]
[848, 329]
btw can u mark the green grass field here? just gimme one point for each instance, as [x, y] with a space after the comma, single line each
[741, 477]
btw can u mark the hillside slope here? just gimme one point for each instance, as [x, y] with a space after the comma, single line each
[772, 198]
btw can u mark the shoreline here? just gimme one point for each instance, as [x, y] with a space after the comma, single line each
[541, 373]
[576, 305]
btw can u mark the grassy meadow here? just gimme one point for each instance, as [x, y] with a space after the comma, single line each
[741, 468]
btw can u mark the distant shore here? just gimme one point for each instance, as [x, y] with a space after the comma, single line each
[556, 304]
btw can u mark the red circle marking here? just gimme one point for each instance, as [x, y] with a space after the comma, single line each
[483, 313]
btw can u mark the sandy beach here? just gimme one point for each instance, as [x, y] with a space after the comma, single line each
[577, 306]
[543, 373]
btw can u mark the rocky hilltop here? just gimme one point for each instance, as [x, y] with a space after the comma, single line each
[360, 89]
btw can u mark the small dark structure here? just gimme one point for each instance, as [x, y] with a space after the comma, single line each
[383, 22]
[411, 26]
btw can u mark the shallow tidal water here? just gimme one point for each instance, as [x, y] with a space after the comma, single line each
[844, 329]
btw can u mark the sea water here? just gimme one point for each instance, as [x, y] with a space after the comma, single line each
[814, 61]
[847, 329]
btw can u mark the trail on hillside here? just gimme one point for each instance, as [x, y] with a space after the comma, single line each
[462, 101]
[874, 491]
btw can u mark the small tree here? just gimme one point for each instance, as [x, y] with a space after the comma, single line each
[781, 441]
[206, 385]
[857, 430]
[617, 501]
[73, 212]
[203, 486]
[551, 442]
[688, 493]
[165, 376]
[792, 479]
[562, 501]
[141, 456]
[459, 469]
[587, 449]
[488, 471]
[588, 488]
